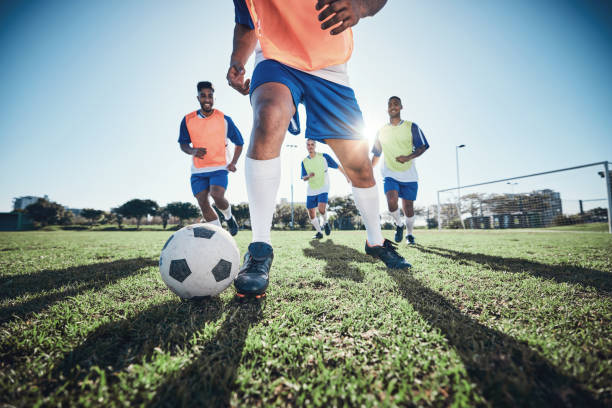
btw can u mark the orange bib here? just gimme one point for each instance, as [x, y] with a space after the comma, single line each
[290, 32]
[210, 133]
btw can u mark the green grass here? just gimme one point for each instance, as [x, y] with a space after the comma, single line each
[484, 318]
[594, 226]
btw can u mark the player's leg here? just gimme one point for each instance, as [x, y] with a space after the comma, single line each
[391, 191]
[353, 155]
[311, 206]
[218, 186]
[335, 117]
[200, 185]
[208, 213]
[273, 108]
[408, 194]
[322, 207]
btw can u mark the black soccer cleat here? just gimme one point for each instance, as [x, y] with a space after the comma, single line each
[410, 239]
[387, 252]
[232, 225]
[399, 233]
[252, 279]
[327, 228]
[318, 235]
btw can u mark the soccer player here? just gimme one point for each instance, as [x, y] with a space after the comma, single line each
[401, 142]
[300, 60]
[208, 131]
[314, 170]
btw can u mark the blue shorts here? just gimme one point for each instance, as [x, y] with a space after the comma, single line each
[332, 111]
[407, 191]
[313, 201]
[203, 181]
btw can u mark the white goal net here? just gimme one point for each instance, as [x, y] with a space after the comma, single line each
[577, 195]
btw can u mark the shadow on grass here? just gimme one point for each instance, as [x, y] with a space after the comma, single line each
[507, 372]
[340, 259]
[113, 346]
[63, 283]
[208, 380]
[600, 281]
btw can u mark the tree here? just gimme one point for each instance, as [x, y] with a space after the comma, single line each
[91, 214]
[46, 212]
[282, 215]
[345, 210]
[241, 214]
[118, 217]
[137, 208]
[183, 211]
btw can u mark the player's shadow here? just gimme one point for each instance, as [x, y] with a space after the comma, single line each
[112, 347]
[599, 280]
[340, 260]
[209, 379]
[49, 286]
[508, 373]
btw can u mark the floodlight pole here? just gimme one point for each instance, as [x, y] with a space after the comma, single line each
[609, 188]
[292, 223]
[458, 184]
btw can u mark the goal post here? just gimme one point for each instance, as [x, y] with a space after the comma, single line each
[572, 195]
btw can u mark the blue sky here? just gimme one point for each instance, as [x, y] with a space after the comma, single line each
[94, 92]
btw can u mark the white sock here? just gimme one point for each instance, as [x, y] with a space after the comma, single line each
[366, 200]
[324, 215]
[215, 222]
[409, 224]
[315, 223]
[396, 216]
[262, 181]
[227, 213]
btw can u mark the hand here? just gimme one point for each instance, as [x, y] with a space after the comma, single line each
[199, 152]
[231, 167]
[346, 12]
[403, 159]
[235, 78]
[311, 175]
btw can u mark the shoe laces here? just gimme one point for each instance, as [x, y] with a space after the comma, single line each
[255, 266]
[391, 249]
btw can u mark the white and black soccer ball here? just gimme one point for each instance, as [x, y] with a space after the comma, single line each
[199, 260]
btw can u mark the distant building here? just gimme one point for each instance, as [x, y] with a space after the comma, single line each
[551, 205]
[536, 209]
[20, 203]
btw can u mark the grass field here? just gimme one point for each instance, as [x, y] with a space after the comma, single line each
[488, 318]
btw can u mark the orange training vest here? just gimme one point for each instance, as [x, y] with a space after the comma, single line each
[290, 32]
[209, 132]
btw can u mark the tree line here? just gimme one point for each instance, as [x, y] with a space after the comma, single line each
[344, 214]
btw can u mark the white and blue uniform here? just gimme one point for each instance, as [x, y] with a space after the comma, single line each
[318, 187]
[203, 177]
[331, 108]
[399, 140]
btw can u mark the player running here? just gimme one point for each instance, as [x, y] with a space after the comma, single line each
[208, 131]
[401, 142]
[314, 170]
[298, 60]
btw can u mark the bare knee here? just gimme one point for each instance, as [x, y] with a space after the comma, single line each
[361, 174]
[270, 121]
[217, 194]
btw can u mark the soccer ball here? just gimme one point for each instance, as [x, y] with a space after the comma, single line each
[199, 260]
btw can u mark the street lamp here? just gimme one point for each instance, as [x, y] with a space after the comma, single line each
[458, 184]
[292, 224]
[512, 186]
